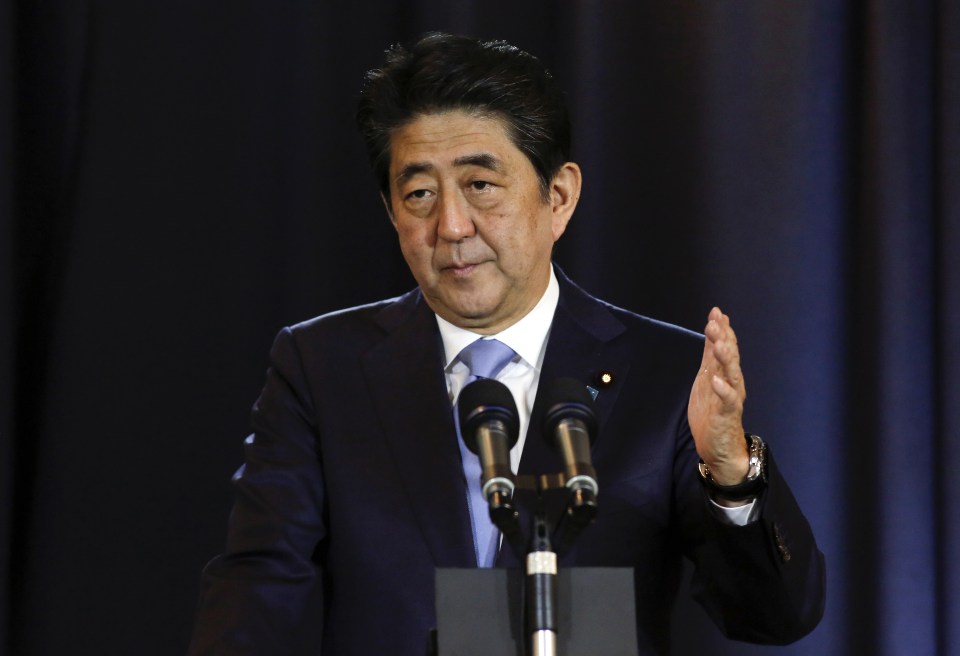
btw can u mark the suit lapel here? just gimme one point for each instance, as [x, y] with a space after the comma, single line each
[404, 373]
[579, 347]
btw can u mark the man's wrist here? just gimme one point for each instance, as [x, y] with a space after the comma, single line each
[751, 486]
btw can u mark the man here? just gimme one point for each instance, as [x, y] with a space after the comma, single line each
[353, 489]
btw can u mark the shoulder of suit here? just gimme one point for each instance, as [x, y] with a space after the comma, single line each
[639, 321]
[375, 316]
[613, 320]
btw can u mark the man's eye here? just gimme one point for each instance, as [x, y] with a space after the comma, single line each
[419, 194]
[480, 185]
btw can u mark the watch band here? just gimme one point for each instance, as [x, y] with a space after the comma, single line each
[756, 474]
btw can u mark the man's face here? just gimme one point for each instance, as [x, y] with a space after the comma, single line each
[473, 225]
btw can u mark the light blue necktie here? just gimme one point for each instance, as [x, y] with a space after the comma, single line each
[485, 358]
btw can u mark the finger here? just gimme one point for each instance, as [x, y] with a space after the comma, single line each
[721, 353]
[724, 329]
[726, 352]
[713, 331]
[724, 339]
[728, 362]
[719, 330]
[708, 362]
[729, 395]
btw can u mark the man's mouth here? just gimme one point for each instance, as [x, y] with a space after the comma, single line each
[461, 269]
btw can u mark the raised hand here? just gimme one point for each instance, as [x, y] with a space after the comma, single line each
[715, 410]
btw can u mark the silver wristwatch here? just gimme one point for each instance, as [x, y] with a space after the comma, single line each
[756, 474]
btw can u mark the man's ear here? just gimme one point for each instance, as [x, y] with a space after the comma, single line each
[564, 194]
[386, 205]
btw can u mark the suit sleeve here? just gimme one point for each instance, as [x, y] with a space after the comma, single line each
[265, 591]
[763, 582]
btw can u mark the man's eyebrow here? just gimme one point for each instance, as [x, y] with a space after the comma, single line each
[411, 170]
[483, 160]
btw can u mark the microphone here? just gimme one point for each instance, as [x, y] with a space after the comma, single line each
[490, 426]
[569, 425]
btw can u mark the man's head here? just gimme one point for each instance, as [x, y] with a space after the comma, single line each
[460, 137]
[443, 72]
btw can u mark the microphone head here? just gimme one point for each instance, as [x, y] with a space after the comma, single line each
[566, 398]
[485, 400]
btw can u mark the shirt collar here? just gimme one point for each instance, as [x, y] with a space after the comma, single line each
[526, 337]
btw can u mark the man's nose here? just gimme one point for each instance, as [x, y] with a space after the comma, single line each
[454, 221]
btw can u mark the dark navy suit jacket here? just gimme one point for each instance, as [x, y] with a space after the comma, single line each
[352, 491]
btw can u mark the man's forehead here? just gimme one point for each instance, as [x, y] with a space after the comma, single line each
[454, 138]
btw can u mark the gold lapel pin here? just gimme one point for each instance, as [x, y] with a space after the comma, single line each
[604, 379]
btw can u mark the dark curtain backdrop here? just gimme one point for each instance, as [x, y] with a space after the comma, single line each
[180, 179]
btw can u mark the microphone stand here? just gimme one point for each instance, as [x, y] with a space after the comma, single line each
[541, 590]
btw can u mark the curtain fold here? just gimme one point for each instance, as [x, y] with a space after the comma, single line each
[947, 289]
[180, 180]
[48, 47]
[896, 336]
[8, 318]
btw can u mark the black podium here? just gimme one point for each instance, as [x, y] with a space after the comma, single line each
[480, 612]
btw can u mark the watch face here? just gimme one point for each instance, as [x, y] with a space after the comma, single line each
[758, 458]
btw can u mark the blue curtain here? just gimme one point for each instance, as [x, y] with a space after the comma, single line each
[181, 179]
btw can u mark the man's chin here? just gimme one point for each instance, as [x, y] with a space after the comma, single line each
[474, 316]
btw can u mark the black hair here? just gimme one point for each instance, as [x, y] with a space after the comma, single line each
[443, 72]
